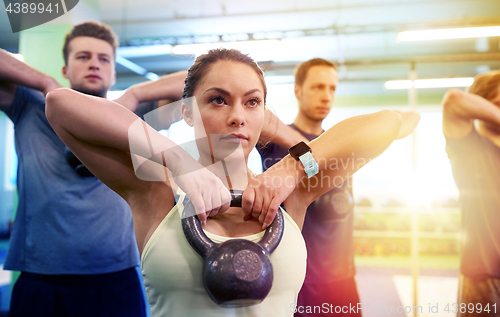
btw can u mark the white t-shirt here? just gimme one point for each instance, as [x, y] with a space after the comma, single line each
[172, 273]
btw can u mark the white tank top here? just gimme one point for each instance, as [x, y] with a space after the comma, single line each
[172, 273]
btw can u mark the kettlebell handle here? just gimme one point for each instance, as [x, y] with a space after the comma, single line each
[236, 197]
[272, 236]
[202, 244]
[192, 227]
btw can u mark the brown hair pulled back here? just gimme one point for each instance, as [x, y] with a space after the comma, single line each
[203, 63]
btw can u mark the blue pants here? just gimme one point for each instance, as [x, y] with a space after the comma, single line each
[118, 294]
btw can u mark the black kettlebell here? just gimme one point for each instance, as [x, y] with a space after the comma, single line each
[237, 272]
[75, 163]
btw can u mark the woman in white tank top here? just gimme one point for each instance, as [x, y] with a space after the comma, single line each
[224, 100]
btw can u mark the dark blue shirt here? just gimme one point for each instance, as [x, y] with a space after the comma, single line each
[65, 223]
[328, 226]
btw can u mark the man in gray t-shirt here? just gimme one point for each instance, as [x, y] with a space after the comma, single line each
[474, 152]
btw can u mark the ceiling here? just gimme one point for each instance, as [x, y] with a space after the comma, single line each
[359, 35]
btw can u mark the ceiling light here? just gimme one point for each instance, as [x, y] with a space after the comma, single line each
[136, 68]
[429, 83]
[443, 82]
[258, 50]
[151, 76]
[131, 65]
[145, 50]
[276, 80]
[114, 94]
[398, 84]
[442, 34]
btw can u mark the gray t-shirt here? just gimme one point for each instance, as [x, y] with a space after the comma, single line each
[475, 162]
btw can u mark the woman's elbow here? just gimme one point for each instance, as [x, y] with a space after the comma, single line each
[53, 103]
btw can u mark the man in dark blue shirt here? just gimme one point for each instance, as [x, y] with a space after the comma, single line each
[328, 225]
[72, 238]
[474, 152]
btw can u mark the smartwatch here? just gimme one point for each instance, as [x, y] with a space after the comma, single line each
[302, 152]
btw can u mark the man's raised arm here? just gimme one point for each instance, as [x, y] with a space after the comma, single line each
[168, 87]
[277, 132]
[461, 108]
[14, 72]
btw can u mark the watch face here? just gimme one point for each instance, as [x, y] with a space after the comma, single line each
[298, 149]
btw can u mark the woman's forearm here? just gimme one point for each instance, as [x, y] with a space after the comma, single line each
[339, 152]
[358, 139]
[97, 121]
[105, 123]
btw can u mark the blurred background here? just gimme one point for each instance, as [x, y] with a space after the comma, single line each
[407, 220]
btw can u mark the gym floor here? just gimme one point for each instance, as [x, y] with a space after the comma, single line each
[386, 288]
